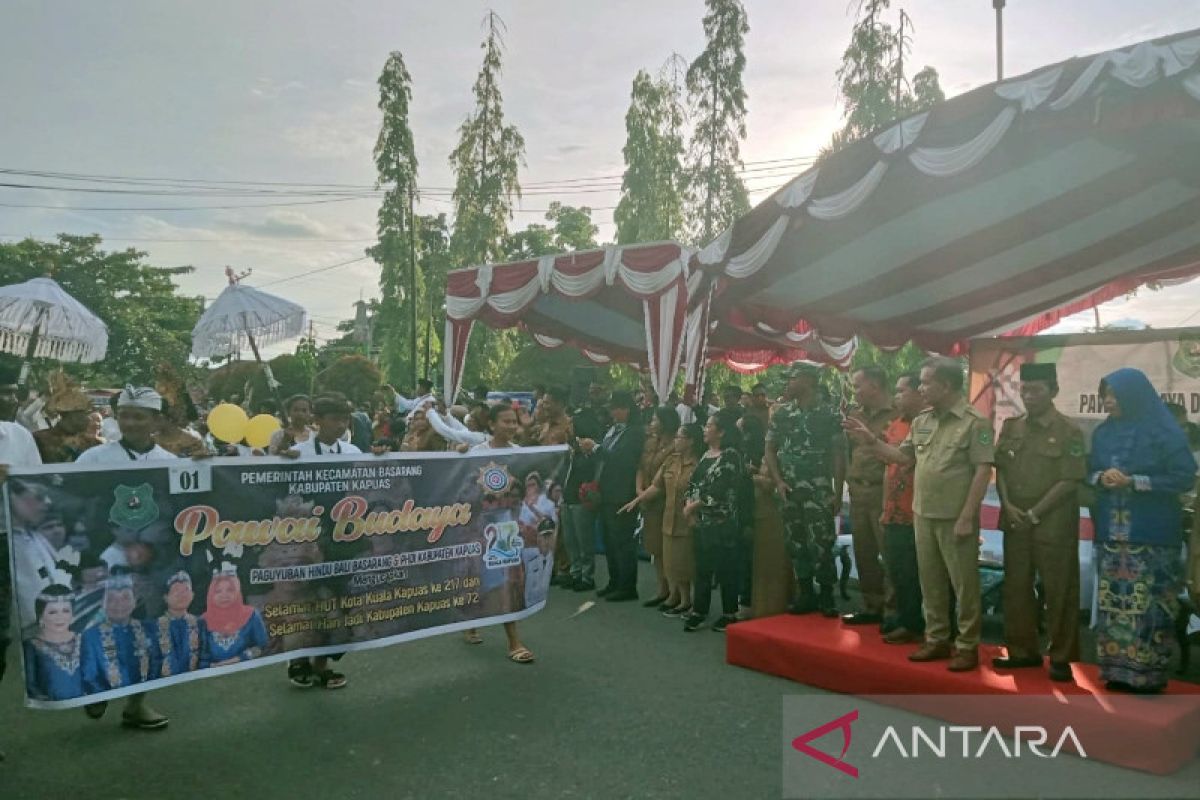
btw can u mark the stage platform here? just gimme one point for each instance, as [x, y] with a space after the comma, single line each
[1156, 734]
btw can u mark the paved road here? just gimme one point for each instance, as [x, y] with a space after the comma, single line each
[621, 704]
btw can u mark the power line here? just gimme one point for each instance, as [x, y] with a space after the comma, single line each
[313, 272]
[202, 241]
[180, 208]
[313, 187]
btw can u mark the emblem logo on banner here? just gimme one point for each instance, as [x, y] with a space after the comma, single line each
[495, 478]
[503, 545]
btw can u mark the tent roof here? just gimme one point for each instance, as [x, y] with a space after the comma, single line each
[1000, 210]
[590, 299]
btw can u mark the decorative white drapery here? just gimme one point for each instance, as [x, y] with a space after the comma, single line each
[657, 275]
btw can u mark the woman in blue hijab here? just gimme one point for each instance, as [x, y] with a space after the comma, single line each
[1140, 464]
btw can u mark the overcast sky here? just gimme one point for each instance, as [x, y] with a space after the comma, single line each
[285, 91]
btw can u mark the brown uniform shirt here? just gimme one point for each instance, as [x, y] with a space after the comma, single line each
[948, 446]
[866, 468]
[654, 453]
[1034, 454]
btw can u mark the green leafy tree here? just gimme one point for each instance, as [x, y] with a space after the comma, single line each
[651, 204]
[232, 381]
[718, 101]
[396, 165]
[573, 229]
[354, 376]
[149, 321]
[433, 250]
[486, 163]
[871, 81]
[307, 354]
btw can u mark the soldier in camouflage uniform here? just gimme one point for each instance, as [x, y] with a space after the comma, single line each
[806, 459]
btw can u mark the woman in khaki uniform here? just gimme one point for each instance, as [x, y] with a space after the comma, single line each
[670, 484]
[660, 433]
[774, 580]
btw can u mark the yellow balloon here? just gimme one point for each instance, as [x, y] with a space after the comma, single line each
[259, 430]
[228, 422]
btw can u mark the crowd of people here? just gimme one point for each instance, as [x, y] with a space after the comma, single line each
[737, 495]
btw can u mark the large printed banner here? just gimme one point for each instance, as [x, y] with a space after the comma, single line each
[1170, 358]
[130, 577]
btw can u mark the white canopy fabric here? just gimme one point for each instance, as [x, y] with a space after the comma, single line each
[626, 303]
[241, 311]
[67, 331]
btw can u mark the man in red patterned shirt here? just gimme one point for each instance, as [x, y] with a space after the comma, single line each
[899, 547]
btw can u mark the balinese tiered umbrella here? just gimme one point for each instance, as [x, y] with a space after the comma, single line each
[38, 319]
[243, 315]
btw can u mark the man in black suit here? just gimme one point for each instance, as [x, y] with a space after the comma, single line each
[619, 453]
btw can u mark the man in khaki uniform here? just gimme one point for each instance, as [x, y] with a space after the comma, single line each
[1039, 465]
[951, 444]
[865, 479]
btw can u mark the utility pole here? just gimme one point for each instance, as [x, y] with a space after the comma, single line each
[412, 286]
[999, 6]
[900, 65]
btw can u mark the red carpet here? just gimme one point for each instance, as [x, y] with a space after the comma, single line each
[1155, 734]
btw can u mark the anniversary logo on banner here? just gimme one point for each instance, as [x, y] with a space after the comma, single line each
[128, 578]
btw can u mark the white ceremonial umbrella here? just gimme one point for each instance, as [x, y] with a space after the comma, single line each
[38, 319]
[245, 315]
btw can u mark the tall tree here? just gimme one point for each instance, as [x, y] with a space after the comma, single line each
[149, 321]
[396, 166]
[651, 207]
[871, 81]
[486, 163]
[573, 229]
[718, 101]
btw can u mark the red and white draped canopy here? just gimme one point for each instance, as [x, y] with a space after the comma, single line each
[996, 212]
[999, 211]
[619, 302]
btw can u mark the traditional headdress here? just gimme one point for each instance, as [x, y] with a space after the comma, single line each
[173, 390]
[118, 581]
[179, 577]
[1039, 372]
[140, 397]
[65, 395]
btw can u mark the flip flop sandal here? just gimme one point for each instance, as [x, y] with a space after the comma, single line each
[328, 679]
[300, 674]
[521, 656]
[472, 637]
[96, 710]
[144, 724]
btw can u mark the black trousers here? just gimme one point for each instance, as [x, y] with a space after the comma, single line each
[900, 560]
[717, 554]
[620, 547]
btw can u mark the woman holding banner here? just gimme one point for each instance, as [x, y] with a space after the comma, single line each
[1140, 464]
